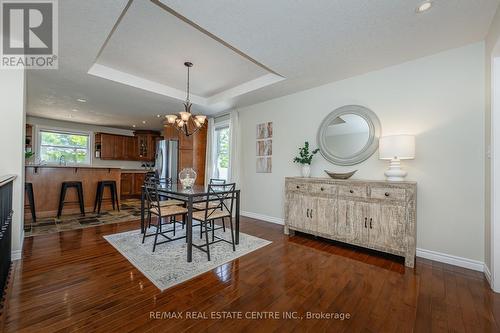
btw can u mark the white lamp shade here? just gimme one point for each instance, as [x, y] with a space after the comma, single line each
[397, 147]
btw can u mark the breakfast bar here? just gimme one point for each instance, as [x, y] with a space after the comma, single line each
[47, 182]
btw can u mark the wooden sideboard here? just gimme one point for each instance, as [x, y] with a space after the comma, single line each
[378, 215]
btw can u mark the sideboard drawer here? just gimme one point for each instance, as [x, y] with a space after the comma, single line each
[298, 187]
[388, 193]
[323, 189]
[357, 191]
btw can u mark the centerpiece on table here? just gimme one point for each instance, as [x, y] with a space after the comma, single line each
[187, 177]
[305, 158]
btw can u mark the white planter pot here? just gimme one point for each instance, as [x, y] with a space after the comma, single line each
[306, 170]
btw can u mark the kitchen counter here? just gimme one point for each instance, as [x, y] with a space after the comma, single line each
[47, 181]
[135, 171]
[70, 166]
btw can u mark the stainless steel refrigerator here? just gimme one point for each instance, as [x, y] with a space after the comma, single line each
[166, 159]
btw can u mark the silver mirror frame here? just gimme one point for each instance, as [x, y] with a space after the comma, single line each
[371, 145]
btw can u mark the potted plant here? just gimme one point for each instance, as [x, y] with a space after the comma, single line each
[305, 159]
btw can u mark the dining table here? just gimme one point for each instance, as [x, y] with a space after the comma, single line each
[195, 194]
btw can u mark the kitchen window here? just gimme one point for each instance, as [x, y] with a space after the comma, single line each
[63, 147]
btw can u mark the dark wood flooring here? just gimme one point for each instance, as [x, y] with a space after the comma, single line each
[76, 281]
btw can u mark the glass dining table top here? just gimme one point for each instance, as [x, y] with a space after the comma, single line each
[178, 189]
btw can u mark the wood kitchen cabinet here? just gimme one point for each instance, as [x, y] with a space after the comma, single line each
[131, 183]
[192, 150]
[140, 147]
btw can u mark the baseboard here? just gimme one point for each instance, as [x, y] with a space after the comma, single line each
[422, 253]
[267, 218]
[16, 255]
[487, 273]
[452, 260]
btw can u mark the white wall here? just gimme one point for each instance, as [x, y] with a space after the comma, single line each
[12, 114]
[439, 98]
[44, 122]
[492, 50]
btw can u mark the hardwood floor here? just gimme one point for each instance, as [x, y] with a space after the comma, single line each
[76, 281]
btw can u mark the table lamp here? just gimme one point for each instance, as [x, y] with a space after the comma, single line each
[396, 148]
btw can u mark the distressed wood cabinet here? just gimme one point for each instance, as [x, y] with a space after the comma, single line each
[378, 215]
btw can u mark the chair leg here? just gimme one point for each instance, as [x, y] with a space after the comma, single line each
[112, 196]
[61, 201]
[99, 203]
[158, 230]
[201, 230]
[116, 197]
[31, 200]
[213, 230]
[80, 199]
[173, 217]
[232, 232]
[206, 238]
[96, 196]
[223, 225]
[144, 236]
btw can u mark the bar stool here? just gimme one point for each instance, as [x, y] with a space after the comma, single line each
[28, 188]
[79, 189]
[100, 193]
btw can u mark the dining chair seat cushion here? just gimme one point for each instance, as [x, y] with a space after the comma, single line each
[169, 210]
[174, 202]
[203, 205]
[212, 214]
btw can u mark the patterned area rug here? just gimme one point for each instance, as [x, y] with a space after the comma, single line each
[168, 265]
[130, 210]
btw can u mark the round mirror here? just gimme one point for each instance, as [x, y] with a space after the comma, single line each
[349, 135]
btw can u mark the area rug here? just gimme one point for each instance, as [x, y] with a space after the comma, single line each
[168, 265]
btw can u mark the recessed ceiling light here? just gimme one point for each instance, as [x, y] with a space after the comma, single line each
[81, 100]
[143, 121]
[158, 116]
[424, 7]
[133, 126]
[74, 110]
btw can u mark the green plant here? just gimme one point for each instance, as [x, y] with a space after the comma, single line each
[305, 157]
[28, 154]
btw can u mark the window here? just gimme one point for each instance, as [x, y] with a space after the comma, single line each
[60, 146]
[221, 151]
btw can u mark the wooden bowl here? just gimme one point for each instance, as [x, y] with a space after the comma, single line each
[335, 175]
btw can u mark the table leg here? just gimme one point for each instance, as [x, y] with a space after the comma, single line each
[142, 210]
[237, 239]
[189, 230]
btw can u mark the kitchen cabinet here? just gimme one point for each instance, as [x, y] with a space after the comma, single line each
[192, 150]
[140, 147]
[131, 183]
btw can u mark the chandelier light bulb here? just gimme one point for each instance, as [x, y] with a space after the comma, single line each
[171, 118]
[185, 115]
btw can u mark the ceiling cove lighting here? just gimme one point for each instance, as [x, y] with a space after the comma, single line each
[185, 122]
[424, 7]
[81, 100]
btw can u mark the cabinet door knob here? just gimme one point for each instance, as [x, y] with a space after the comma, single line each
[322, 189]
[371, 223]
[387, 194]
[365, 221]
[298, 186]
[351, 191]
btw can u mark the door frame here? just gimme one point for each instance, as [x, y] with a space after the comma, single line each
[495, 173]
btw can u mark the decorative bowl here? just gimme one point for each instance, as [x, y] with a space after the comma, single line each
[335, 175]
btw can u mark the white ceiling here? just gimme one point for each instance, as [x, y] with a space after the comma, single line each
[309, 43]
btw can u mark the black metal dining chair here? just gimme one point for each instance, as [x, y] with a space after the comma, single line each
[162, 213]
[151, 180]
[201, 206]
[223, 195]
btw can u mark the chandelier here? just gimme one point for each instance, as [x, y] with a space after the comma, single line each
[185, 122]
